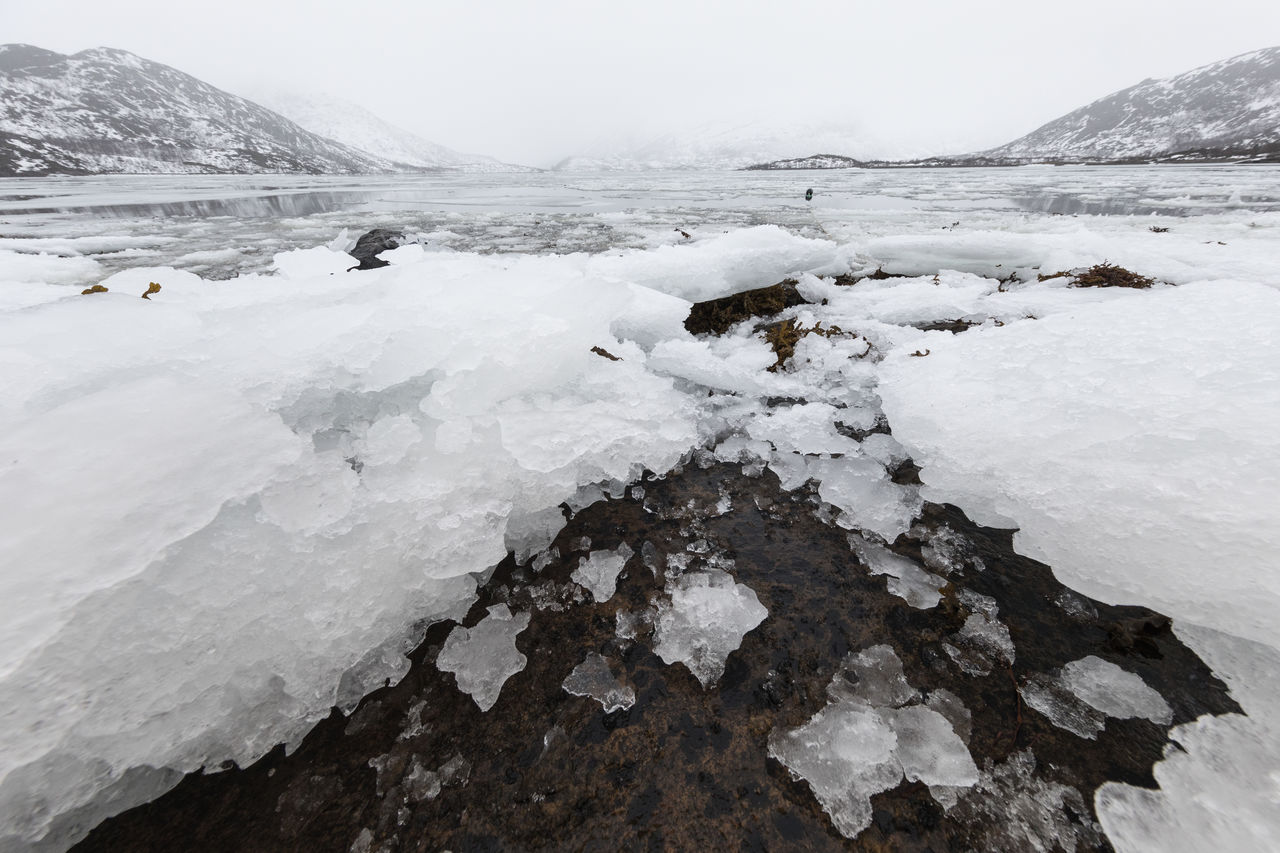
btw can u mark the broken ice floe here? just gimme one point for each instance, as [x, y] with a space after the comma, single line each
[983, 640]
[593, 678]
[874, 733]
[906, 580]
[1087, 691]
[484, 657]
[599, 571]
[704, 621]
[1019, 812]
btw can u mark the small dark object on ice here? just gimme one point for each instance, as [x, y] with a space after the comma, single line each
[372, 244]
[1102, 275]
[601, 351]
[683, 233]
[808, 194]
[152, 287]
[1158, 229]
[97, 288]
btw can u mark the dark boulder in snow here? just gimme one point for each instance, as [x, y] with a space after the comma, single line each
[716, 316]
[374, 243]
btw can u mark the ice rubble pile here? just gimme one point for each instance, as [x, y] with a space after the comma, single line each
[228, 507]
[231, 506]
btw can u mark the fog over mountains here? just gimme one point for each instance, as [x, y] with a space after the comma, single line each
[104, 111]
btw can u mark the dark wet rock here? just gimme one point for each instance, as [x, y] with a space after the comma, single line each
[374, 243]
[878, 275]
[717, 316]
[418, 767]
[955, 327]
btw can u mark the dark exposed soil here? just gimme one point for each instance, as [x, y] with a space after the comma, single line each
[687, 768]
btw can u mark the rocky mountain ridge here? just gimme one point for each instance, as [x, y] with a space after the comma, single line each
[110, 111]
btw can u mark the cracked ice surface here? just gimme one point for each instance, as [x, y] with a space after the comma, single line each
[484, 657]
[705, 621]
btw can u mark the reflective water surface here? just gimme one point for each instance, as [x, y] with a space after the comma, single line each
[219, 226]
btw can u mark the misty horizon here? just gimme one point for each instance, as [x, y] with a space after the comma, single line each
[536, 86]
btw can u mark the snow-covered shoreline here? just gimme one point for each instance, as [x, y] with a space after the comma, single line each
[237, 503]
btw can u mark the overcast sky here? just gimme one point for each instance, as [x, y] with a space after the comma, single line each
[532, 82]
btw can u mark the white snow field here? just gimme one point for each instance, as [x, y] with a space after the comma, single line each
[236, 504]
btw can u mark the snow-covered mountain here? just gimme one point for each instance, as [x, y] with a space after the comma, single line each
[1229, 109]
[110, 111]
[353, 125]
[732, 146]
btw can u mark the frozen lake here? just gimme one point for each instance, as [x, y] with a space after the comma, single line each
[219, 226]
[235, 505]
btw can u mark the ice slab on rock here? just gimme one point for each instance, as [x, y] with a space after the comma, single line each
[594, 678]
[907, 580]
[1114, 691]
[704, 621]
[874, 733]
[1084, 692]
[484, 657]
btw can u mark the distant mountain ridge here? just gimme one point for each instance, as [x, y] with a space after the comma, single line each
[1225, 109]
[110, 111]
[353, 125]
[725, 145]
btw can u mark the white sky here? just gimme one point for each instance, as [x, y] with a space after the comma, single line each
[535, 81]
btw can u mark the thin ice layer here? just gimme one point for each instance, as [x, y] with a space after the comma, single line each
[594, 678]
[484, 657]
[705, 621]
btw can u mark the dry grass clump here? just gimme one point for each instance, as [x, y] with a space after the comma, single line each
[1103, 275]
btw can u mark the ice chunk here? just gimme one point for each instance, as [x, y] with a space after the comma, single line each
[907, 580]
[593, 678]
[599, 571]
[870, 736]
[873, 675]
[845, 753]
[531, 533]
[929, 749]
[983, 639]
[1061, 707]
[705, 620]
[862, 489]
[1114, 691]
[950, 706]
[484, 657]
